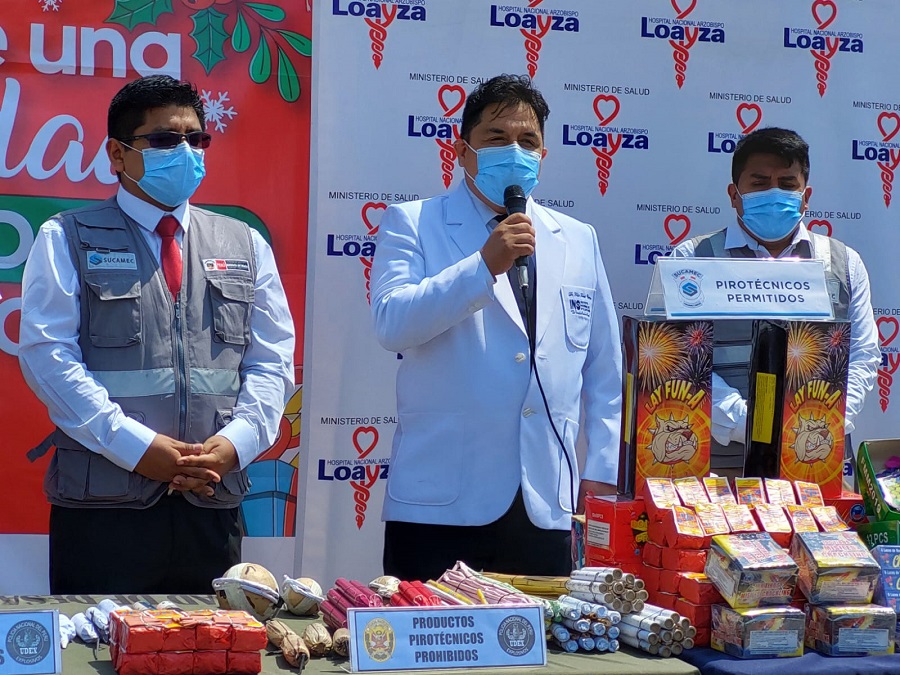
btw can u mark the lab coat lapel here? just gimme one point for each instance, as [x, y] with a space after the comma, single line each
[550, 252]
[468, 232]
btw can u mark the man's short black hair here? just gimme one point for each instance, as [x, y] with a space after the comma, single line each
[508, 91]
[783, 143]
[129, 107]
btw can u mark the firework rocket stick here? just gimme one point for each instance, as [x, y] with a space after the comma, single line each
[578, 625]
[559, 632]
[601, 644]
[598, 629]
[688, 643]
[676, 648]
[568, 645]
[639, 584]
[638, 606]
[612, 632]
[587, 643]
[638, 634]
[641, 595]
[613, 645]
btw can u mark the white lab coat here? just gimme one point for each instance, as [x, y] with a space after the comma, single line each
[472, 425]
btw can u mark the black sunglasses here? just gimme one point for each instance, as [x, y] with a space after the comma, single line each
[170, 139]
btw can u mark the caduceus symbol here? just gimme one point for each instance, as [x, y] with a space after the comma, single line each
[604, 156]
[823, 57]
[362, 490]
[446, 95]
[888, 329]
[534, 39]
[888, 125]
[371, 230]
[378, 32]
[681, 48]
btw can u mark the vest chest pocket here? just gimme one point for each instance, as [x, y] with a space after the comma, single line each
[231, 299]
[114, 307]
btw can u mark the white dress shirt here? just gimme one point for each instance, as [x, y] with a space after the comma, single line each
[77, 403]
[729, 416]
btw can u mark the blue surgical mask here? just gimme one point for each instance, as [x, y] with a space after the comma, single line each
[498, 168]
[772, 215]
[171, 175]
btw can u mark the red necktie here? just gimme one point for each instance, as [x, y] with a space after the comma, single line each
[171, 254]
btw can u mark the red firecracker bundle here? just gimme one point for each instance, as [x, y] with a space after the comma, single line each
[343, 596]
[170, 642]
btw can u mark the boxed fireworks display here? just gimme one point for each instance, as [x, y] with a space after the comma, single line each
[751, 570]
[887, 590]
[834, 567]
[796, 407]
[771, 519]
[851, 630]
[749, 491]
[879, 478]
[718, 490]
[666, 400]
[765, 632]
[850, 508]
[659, 497]
[615, 531]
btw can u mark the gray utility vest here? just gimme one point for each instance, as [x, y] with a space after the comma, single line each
[732, 339]
[172, 366]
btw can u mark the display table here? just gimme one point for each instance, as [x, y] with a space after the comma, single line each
[79, 659]
[711, 662]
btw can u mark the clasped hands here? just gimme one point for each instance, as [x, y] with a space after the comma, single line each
[188, 466]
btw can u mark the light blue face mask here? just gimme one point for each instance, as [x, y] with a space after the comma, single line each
[772, 215]
[171, 175]
[498, 168]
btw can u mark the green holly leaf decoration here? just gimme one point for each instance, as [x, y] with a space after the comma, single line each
[288, 82]
[210, 36]
[261, 63]
[301, 44]
[131, 13]
[270, 12]
[240, 39]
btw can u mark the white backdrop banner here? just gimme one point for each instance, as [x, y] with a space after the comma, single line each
[648, 99]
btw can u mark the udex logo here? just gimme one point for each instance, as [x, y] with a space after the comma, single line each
[379, 16]
[888, 330]
[886, 152]
[361, 473]
[822, 43]
[605, 140]
[534, 23]
[748, 115]
[443, 129]
[682, 34]
[677, 226]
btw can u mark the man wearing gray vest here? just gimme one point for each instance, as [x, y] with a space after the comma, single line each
[769, 193]
[158, 336]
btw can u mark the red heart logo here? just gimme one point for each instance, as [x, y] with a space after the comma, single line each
[885, 321]
[451, 90]
[606, 119]
[895, 119]
[363, 434]
[824, 224]
[681, 13]
[747, 127]
[377, 207]
[685, 228]
[831, 14]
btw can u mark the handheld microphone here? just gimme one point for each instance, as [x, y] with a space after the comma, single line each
[514, 200]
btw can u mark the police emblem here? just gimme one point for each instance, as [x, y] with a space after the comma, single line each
[28, 642]
[378, 638]
[515, 635]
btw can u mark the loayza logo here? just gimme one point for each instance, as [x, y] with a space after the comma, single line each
[444, 129]
[886, 152]
[534, 23]
[379, 16]
[371, 217]
[888, 330]
[677, 226]
[823, 43]
[682, 34]
[362, 472]
[605, 140]
[749, 116]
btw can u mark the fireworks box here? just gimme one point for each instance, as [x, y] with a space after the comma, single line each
[796, 407]
[851, 630]
[691, 491]
[749, 491]
[801, 519]
[666, 400]
[780, 492]
[698, 589]
[835, 567]
[615, 530]
[652, 554]
[880, 533]
[850, 508]
[870, 462]
[683, 560]
[809, 494]
[739, 518]
[762, 633]
[828, 519]
[712, 518]
[718, 490]
[772, 519]
[659, 497]
[698, 615]
[751, 570]
[682, 529]
[887, 590]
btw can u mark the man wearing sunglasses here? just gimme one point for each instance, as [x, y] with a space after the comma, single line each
[158, 336]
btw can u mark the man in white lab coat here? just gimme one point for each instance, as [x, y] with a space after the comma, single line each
[483, 466]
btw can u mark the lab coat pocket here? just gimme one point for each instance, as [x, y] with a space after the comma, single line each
[578, 307]
[424, 470]
[568, 476]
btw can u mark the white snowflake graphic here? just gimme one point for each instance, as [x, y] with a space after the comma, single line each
[47, 5]
[215, 110]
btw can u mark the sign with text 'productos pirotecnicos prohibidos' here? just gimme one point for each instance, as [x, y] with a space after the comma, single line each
[433, 638]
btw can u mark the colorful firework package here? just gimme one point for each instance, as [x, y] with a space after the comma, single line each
[780, 492]
[798, 387]
[682, 529]
[771, 519]
[666, 400]
[851, 630]
[878, 478]
[659, 496]
[615, 531]
[834, 567]
[718, 490]
[749, 491]
[751, 570]
[691, 491]
[887, 590]
[739, 518]
[766, 632]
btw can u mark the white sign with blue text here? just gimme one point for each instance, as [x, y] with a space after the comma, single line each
[432, 638]
[29, 643]
[717, 288]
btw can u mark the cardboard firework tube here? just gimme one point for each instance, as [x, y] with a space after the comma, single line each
[688, 643]
[618, 587]
[578, 625]
[612, 632]
[638, 634]
[676, 649]
[615, 571]
[638, 584]
[627, 607]
[584, 575]
[690, 633]
[637, 606]
[629, 595]
[628, 579]
[641, 595]
[665, 651]
[597, 588]
[559, 632]
[666, 637]
[648, 624]
[598, 629]
[677, 635]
